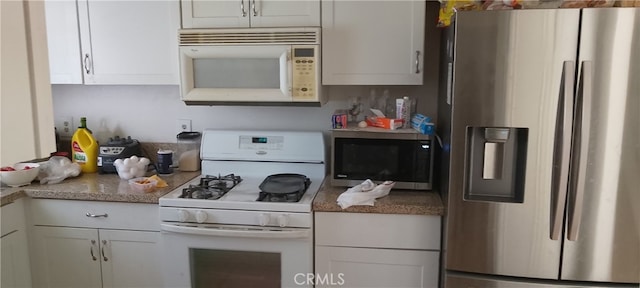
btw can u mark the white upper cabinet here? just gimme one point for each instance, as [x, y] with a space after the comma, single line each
[26, 115]
[113, 42]
[372, 42]
[64, 42]
[249, 13]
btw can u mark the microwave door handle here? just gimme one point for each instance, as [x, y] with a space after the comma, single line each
[562, 149]
[290, 73]
[580, 149]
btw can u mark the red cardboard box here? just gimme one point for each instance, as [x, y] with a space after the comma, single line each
[383, 122]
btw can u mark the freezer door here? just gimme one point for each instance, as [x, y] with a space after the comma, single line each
[603, 214]
[511, 69]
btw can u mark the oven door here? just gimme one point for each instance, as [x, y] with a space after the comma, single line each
[408, 162]
[236, 256]
[219, 74]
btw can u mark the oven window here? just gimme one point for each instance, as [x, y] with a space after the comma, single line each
[257, 73]
[224, 268]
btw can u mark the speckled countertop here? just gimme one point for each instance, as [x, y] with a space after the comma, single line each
[397, 202]
[96, 187]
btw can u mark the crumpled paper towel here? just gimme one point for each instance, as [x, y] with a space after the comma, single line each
[364, 193]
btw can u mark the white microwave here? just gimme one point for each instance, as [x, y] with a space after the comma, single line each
[251, 66]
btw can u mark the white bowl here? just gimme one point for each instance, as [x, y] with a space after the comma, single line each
[21, 176]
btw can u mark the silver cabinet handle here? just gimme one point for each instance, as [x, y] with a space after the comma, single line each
[105, 215]
[244, 13]
[253, 7]
[580, 150]
[417, 62]
[93, 256]
[104, 257]
[562, 149]
[86, 63]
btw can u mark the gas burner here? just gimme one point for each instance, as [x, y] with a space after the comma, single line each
[211, 187]
[280, 197]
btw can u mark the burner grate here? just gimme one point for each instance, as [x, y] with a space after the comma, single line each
[211, 187]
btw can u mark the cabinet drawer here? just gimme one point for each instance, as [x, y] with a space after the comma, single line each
[133, 216]
[377, 230]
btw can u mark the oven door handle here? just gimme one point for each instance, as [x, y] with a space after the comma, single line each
[236, 232]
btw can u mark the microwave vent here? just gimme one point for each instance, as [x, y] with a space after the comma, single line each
[248, 37]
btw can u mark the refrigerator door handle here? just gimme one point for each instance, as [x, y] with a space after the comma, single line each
[580, 150]
[562, 149]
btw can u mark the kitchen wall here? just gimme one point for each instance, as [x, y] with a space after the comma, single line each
[151, 113]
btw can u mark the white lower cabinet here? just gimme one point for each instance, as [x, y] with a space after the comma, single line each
[15, 271]
[96, 253]
[366, 267]
[376, 250]
[81, 257]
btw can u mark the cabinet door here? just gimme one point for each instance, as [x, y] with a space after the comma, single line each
[129, 42]
[130, 258]
[215, 13]
[372, 42]
[66, 257]
[63, 37]
[279, 13]
[26, 110]
[15, 271]
[364, 267]
[15, 260]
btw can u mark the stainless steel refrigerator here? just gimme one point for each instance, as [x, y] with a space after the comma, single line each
[543, 149]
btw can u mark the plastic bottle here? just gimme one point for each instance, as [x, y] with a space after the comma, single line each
[84, 148]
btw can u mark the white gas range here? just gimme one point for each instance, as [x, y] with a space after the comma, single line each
[251, 203]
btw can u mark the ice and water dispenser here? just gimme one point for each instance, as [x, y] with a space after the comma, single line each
[495, 162]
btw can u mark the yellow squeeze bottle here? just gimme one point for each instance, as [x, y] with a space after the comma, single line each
[84, 148]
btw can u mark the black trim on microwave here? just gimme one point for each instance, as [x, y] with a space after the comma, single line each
[244, 103]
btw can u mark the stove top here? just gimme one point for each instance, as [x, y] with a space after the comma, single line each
[210, 187]
[235, 165]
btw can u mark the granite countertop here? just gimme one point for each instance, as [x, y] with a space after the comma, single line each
[95, 187]
[397, 202]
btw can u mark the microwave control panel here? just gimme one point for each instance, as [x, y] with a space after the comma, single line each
[304, 63]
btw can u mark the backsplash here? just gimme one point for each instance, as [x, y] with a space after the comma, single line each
[150, 113]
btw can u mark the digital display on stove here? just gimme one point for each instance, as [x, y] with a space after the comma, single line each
[259, 140]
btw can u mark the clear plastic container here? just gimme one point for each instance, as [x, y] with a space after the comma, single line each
[143, 184]
[187, 142]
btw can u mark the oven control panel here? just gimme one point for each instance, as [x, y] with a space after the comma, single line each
[261, 142]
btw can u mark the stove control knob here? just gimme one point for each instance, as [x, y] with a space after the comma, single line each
[201, 216]
[283, 220]
[183, 215]
[264, 219]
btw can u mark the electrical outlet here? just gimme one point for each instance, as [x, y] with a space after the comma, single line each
[184, 125]
[64, 126]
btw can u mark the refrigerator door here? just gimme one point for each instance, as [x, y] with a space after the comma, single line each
[603, 215]
[511, 69]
